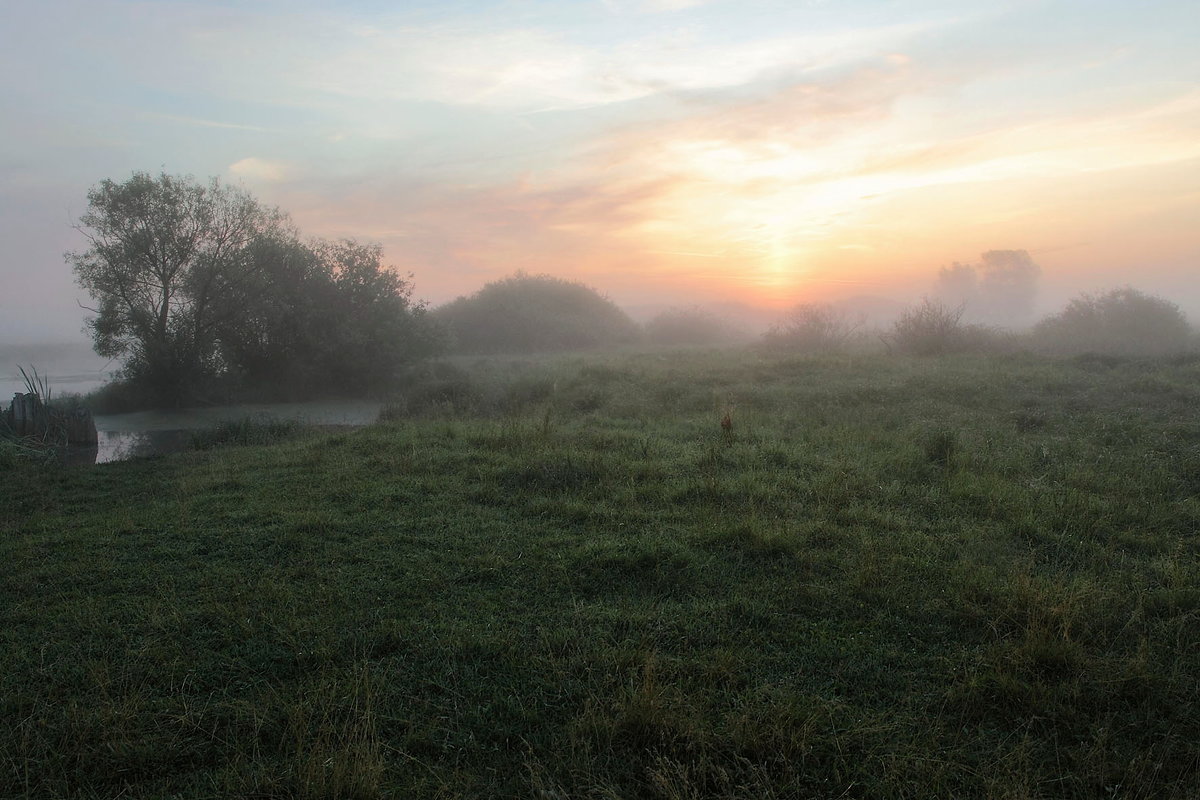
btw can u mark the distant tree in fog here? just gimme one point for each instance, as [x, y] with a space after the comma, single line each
[1118, 322]
[1000, 290]
[199, 284]
[958, 285]
[534, 313]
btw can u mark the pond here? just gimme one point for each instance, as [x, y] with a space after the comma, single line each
[150, 433]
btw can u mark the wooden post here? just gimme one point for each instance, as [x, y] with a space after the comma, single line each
[24, 414]
[29, 416]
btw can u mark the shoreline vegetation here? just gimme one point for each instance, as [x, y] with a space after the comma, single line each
[703, 573]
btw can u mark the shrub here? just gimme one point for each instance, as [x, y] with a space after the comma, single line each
[812, 328]
[930, 328]
[535, 313]
[1122, 322]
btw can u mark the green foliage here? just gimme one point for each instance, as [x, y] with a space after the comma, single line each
[812, 328]
[535, 313]
[202, 291]
[166, 258]
[1120, 322]
[940, 446]
[899, 577]
[338, 322]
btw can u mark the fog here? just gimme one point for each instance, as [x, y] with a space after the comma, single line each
[738, 160]
[68, 367]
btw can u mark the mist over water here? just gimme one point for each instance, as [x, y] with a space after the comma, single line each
[69, 367]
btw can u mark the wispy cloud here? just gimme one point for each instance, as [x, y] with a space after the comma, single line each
[259, 169]
[199, 123]
[758, 147]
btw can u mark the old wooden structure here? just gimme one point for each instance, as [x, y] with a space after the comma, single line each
[28, 416]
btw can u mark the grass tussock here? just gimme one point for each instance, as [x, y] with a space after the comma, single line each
[885, 578]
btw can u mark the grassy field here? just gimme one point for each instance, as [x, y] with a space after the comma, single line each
[968, 577]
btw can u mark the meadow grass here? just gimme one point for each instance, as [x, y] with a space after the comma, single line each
[889, 578]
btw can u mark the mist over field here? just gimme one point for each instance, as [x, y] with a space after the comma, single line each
[669, 154]
[665, 399]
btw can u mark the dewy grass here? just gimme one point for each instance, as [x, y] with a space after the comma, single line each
[885, 583]
[245, 431]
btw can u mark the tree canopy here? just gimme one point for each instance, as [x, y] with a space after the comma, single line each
[535, 313]
[1121, 321]
[200, 286]
[999, 290]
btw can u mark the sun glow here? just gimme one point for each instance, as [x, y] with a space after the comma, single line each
[784, 213]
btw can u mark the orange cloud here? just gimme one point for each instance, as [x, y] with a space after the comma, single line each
[809, 191]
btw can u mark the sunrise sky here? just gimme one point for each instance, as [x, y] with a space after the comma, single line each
[757, 151]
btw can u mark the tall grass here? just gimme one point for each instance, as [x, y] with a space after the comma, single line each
[29, 449]
[248, 430]
[35, 383]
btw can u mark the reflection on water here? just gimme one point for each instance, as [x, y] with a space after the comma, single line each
[123, 445]
[154, 433]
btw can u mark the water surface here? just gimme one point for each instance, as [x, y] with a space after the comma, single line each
[149, 433]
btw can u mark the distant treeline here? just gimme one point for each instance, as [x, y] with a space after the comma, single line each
[1120, 322]
[528, 314]
[206, 295]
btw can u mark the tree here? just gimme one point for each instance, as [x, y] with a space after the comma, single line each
[1118, 322]
[535, 313]
[1000, 290]
[167, 258]
[1008, 286]
[958, 285]
[199, 288]
[371, 327]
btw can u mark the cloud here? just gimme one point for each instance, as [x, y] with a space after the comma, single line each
[655, 6]
[322, 62]
[258, 169]
[199, 123]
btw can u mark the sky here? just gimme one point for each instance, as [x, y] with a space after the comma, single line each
[759, 152]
